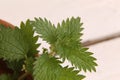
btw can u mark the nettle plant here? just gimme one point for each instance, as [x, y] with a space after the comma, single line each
[20, 59]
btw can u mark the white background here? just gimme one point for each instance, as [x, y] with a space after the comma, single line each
[100, 17]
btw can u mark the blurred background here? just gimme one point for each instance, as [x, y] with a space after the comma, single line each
[100, 18]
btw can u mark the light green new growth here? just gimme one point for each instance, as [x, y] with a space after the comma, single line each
[65, 42]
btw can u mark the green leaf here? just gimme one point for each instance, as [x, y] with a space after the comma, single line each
[70, 74]
[83, 60]
[46, 68]
[68, 45]
[68, 37]
[28, 32]
[46, 30]
[5, 77]
[12, 44]
[49, 68]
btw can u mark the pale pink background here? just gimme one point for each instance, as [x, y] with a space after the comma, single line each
[100, 17]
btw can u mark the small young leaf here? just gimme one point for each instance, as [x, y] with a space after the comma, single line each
[28, 32]
[46, 30]
[68, 45]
